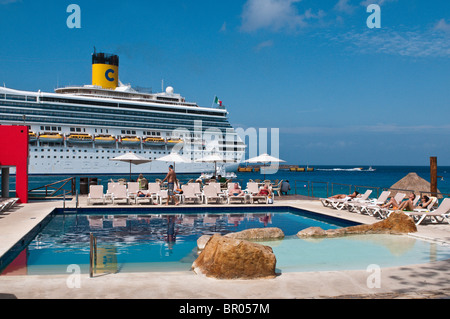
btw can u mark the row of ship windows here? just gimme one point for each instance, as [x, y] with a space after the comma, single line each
[105, 117]
[113, 151]
[20, 119]
[80, 157]
[128, 110]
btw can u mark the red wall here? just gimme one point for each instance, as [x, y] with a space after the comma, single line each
[14, 152]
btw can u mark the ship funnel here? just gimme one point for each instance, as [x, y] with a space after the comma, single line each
[105, 70]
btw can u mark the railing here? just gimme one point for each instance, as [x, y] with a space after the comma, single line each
[54, 190]
[317, 189]
[92, 255]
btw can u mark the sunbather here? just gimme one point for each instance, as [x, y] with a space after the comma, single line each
[236, 191]
[343, 196]
[408, 205]
[392, 203]
[265, 191]
[141, 194]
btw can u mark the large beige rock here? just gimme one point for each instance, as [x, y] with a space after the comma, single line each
[258, 234]
[396, 223]
[230, 258]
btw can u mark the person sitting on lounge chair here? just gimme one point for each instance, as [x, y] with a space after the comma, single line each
[392, 203]
[343, 196]
[236, 191]
[265, 191]
[408, 204]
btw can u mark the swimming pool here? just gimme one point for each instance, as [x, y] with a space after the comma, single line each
[134, 240]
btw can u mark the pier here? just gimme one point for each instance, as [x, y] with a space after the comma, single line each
[284, 167]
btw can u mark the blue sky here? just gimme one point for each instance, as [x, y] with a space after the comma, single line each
[340, 92]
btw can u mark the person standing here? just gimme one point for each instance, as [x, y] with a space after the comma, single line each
[171, 178]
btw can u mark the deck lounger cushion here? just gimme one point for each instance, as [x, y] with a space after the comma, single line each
[96, 194]
[120, 194]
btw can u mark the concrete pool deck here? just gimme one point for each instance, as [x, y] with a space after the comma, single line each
[430, 280]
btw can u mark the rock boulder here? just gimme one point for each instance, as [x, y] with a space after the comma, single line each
[396, 223]
[230, 258]
[258, 234]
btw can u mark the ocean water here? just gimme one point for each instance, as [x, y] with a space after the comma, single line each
[340, 179]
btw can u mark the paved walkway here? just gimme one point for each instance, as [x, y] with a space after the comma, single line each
[416, 281]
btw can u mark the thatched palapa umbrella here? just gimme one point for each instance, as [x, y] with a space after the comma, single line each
[413, 183]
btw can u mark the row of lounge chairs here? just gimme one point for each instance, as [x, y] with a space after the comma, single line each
[434, 212]
[7, 203]
[191, 193]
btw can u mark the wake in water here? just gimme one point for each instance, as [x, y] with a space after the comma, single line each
[356, 169]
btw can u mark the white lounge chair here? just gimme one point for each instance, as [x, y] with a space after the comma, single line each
[339, 204]
[133, 189]
[154, 190]
[277, 188]
[110, 190]
[7, 204]
[120, 194]
[242, 198]
[429, 207]
[387, 212]
[361, 207]
[253, 190]
[162, 196]
[442, 212]
[361, 199]
[96, 194]
[189, 195]
[210, 193]
[144, 199]
[197, 190]
[383, 212]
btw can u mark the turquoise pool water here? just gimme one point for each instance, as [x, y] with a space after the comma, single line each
[167, 242]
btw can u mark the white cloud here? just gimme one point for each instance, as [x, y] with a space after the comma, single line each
[344, 6]
[223, 28]
[275, 15]
[412, 43]
[442, 25]
[365, 3]
[264, 44]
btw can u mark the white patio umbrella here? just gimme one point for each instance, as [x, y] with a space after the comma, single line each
[264, 158]
[131, 158]
[174, 158]
[214, 158]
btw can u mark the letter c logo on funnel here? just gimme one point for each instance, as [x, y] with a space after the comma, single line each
[107, 75]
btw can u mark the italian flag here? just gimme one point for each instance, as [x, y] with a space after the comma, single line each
[217, 101]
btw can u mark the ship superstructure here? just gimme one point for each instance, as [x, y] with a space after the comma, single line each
[78, 129]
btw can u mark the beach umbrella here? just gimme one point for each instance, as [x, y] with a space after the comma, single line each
[413, 183]
[264, 158]
[174, 158]
[214, 158]
[131, 158]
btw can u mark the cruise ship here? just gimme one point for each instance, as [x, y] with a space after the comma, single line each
[79, 129]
